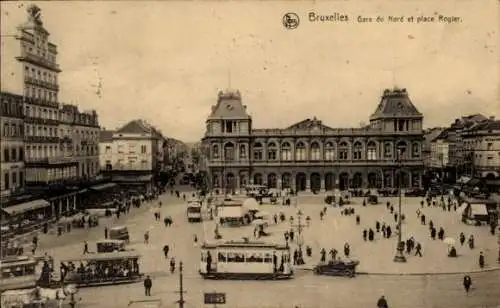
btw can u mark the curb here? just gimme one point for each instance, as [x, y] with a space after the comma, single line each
[490, 269]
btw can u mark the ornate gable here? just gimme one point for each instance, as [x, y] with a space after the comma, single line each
[307, 124]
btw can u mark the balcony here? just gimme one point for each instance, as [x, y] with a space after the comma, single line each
[41, 83]
[40, 121]
[336, 132]
[40, 102]
[42, 139]
[59, 160]
[312, 163]
[38, 60]
[122, 167]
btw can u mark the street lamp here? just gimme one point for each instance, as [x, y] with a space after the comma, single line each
[300, 240]
[399, 257]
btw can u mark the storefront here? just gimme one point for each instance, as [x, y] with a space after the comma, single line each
[99, 194]
[141, 183]
[26, 217]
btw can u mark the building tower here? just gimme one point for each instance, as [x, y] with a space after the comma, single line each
[396, 116]
[228, 130]
[37, 62]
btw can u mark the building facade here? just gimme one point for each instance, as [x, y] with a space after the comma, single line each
[12, 145]
[54, 177]
[132, 153]
[482, 148]
[84, 139]
[312, 156]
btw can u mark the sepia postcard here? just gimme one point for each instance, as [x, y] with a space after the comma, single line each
[250, 154]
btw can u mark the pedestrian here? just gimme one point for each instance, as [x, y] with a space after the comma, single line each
[467, 283]
[358, 219]
[481, 260]
[388, 231]
[371, 235]
[418, 213]
[85, 247]
[418, 250]
[321, 215]
[146, 237]
[395, 217]
[106, 232]
[382, 302]
[422, 203]
[323, 255]
[388, 204]
[462, 238]
[471, 241]
[292, 235]
[422, 219]
[195, 239]
[377, 226]
[275, 219]
[441, 234]
[365, 233]
[433, 233]
[347, 250]
[166, 249]
[148, 284]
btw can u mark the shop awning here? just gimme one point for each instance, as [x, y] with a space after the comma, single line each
[26, 207]
[479, 209]
[133, 178]
[103, 186]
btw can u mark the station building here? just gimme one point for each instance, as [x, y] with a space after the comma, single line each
[311, 156]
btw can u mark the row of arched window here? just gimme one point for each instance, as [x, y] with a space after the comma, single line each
[342, 152]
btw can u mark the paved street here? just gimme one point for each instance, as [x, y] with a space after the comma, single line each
[311, 291]
[377, 256]
[306, 290]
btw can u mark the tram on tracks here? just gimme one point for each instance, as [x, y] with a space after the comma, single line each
[245, 260]
[18, 272]
[193, 210]
[102, 269]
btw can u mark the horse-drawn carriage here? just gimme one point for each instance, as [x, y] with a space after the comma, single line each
[345, 268]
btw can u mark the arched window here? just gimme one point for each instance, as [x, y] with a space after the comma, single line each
[371, 151]
[357, 150]
[215, 151]
[343, 151]
[315, 151]
[286, 151]
[300, 151]
[415, 150]
[387, 150]
[272, 151]
[243, 151]
[402, 149]
[257, 151]
[329, 151]
[229, 151]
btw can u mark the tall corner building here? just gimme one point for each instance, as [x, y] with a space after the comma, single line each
[311, 156]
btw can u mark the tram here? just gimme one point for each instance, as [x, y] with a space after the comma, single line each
[245, 260]
[102, 269]
[18, 272]
[193, 210]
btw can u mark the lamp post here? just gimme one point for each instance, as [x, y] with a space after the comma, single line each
[300, 240]
[399, 257]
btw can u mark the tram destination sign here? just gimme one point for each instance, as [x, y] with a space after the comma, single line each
[214, 298]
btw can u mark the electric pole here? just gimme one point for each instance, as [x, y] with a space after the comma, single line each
[181, 288]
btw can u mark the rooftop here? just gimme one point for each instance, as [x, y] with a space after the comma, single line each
[395, 103]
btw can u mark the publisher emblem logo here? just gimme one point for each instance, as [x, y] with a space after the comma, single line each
[291, 21]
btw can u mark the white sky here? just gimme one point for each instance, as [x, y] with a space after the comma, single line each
[165, 61]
